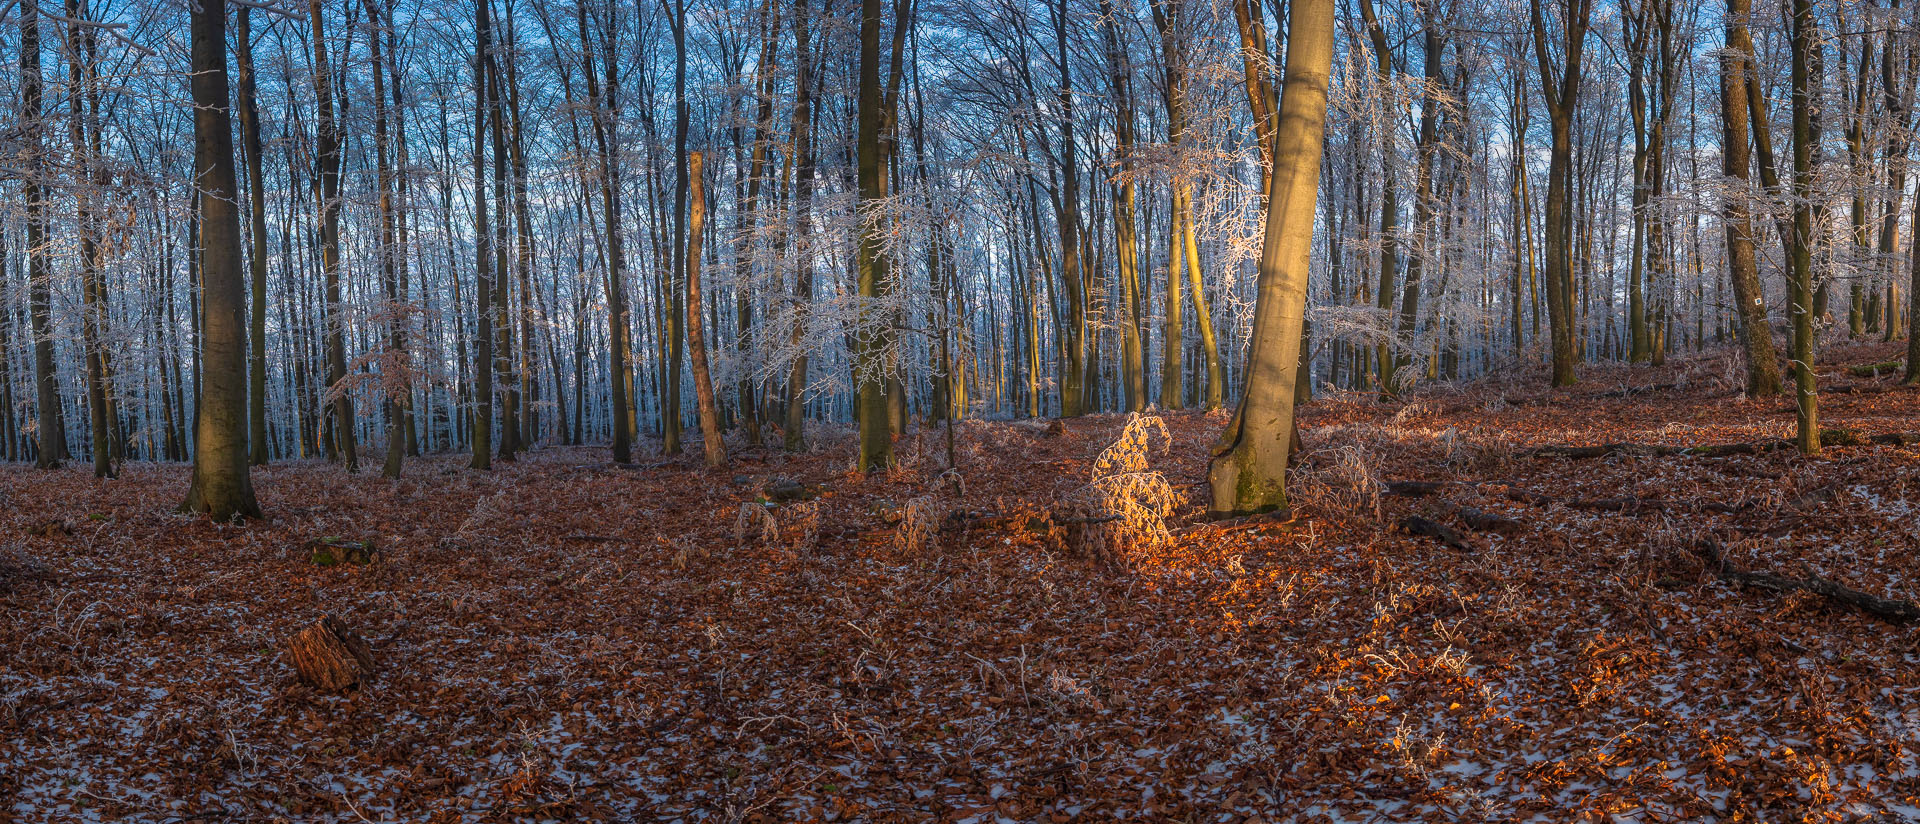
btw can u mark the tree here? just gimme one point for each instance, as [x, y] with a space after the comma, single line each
[393, 366]
[482, 435]
[50, 428]
[716, 450]
[876, 431]
[1560, 88]
[257, 225]
[802, 158]
[1736, 61]
[84, 141]
[221, 484]
[1800, 269]
[1248, 470]
[329, 158]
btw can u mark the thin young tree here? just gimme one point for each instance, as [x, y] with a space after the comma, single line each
[329, 159]
[221, 486]
[716, 450]
[250, 148]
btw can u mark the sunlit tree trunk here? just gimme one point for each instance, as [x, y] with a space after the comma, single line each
[1800, 274]
[1763, 375]
[1248, 470]
[1561, 89]
[716, 450]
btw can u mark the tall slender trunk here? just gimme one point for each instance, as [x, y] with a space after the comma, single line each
[393, 367]
[869, 345]
[802, 221]
[329, 157]
[50, 424]
[250, 149]
[481, 435]
[716, 450]
[1800, 274]
[1561, 89]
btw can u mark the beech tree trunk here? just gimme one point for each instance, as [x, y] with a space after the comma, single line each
[716, 450]
[221, 485]
[327, 182]
[876, 430]
[481, 436]
[50, 428]
[1248, 470]
[1763, 371]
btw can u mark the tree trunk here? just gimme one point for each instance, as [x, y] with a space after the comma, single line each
[1248, 470]
[50, 424]
[1800, 274]
[1763, 375]
[329, 157]
[482, 419]
[803, 222]
[869, 345]
[716, 450]
[221, 486]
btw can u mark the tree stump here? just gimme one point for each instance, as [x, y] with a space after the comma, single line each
[331, 657]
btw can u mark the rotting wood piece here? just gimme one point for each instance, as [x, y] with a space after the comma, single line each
[330, 656]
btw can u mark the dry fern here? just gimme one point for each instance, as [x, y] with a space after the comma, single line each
[919, 526]
[1124, 507]
[754, 521]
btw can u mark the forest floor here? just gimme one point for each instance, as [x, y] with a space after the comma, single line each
[563, 639]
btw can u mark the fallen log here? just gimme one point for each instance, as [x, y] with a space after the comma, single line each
[1874, 370]
[1628, 504]
[1829, 437]
[1446, 535]
[1638, 390]
[1886, 609]
[1482, 521]
[1414, 489]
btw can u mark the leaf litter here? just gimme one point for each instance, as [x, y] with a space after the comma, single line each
[562, 639]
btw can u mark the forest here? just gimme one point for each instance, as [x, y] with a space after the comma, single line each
[1242, 411]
